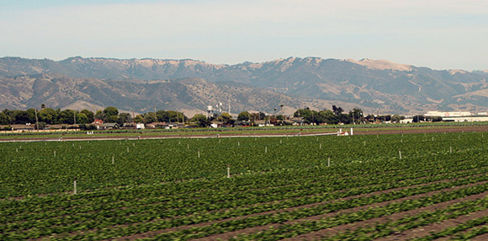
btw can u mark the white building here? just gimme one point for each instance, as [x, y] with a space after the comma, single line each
[448, 114]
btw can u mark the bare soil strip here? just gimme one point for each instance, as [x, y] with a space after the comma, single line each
[260, 228]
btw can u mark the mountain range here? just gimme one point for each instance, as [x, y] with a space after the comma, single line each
[141, 85]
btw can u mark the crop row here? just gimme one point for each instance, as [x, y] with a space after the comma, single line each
[265, 219]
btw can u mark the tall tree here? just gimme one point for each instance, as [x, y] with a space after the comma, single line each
[48, 115]
[89, 114]
[200, 120]
[4, 119]
[243, 116]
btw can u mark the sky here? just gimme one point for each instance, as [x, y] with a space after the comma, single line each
[440, 34]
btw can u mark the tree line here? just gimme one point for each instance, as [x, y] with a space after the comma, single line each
[48, 116]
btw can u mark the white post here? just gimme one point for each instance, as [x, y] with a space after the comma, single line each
[127, 149]
[238, 144]
[400, 154]
[228, 171]
[113, 159]
[74, 186]
[54, 153]
[16, 150]
[450, 149]
[352, 133]
[265, 149]
[320, 146]
[328, 161]
[281, 141]
[198, 153]
[80, 147]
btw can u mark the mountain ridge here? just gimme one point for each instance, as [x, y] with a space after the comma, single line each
[374, 85]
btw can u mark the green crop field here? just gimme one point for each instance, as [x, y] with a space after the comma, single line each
[415, 186]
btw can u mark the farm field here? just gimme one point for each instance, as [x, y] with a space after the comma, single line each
[385, 187]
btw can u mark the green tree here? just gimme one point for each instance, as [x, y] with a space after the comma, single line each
[357, 115]
[329, 117]
[111, 114]
[243, 116]
[226, 118]
[32, 115]
[109, 111]
[81, 118]
[99, 115]
[418, 118]
[200, 120]
[174, 116]
[4, 119]
[150, 117]
[22, 117]
[48, 115]
[124, 118]
[162, 116]
[138, 119]
[89, 114]
[66, 116]
[308, 115]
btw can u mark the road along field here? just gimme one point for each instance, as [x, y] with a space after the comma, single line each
[415, 186]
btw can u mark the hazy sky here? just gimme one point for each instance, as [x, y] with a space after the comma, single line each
[442, 34]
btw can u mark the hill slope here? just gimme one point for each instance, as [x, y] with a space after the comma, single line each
[142, 84]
